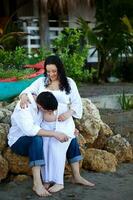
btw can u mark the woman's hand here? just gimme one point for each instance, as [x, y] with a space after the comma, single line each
[24, 100]
[65, 116]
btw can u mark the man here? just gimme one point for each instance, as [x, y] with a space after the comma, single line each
[25, 138]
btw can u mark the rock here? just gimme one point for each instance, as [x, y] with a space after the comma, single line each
[81, 140]
[99, 161]
[120, 147]
[90, 124]
[104, 133]
[121, 122]
[11, 106]
[3, 168]
[5, 115]
[20, 178]
[17, 164]
[4, 128]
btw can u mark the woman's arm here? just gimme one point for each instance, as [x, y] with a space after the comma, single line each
[75, 108]
[66, 115]
[75, 100]
[33, 88]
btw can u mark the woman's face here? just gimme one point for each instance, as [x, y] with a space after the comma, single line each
[52, 72]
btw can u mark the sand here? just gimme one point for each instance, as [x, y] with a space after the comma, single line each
[109, 186]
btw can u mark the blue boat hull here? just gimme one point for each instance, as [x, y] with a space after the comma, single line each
[9, 90]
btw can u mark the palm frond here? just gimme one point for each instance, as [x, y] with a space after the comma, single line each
[126, 21]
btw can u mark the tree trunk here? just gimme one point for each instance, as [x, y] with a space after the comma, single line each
[101, 67]
[44, 26]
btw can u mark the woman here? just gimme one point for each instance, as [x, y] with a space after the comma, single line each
[66, 93]
[54, 151]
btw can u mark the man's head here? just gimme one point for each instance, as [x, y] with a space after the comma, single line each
[47, 101]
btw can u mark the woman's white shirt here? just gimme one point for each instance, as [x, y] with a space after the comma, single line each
[72, 99]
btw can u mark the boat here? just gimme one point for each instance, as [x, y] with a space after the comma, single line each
[12, 87]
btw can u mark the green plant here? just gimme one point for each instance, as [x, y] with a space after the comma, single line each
[38, 55]
[110, 36]
[13, 59]
[12, 62]
[73, 50]
[126, 102]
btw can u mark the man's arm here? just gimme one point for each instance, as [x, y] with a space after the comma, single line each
[25, 122]
[58, 135]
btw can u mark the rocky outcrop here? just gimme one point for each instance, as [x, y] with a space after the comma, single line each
[120, 147]
[17, 164]
[99, 161]
[5, 115]
[102, 150]
[91, 126]
[4, 128]
[3, 168]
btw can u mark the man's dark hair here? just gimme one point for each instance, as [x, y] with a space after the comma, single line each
[47, 101]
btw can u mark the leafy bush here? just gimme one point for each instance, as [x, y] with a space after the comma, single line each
[73, 50]
[13, 59]
[12, 62]
[37, 55]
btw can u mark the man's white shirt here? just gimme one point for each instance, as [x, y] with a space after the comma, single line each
[24, 122]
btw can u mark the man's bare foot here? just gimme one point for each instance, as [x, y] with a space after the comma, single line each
[82, 181]
[40, 190]
[56, 188]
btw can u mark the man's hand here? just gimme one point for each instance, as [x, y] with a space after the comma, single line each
[61, 137]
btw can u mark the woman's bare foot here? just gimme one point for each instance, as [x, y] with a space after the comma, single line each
[56, 188]
[82, 181]
[40, 190]
[46, 185]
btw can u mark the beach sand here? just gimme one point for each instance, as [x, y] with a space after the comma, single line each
[109, 186]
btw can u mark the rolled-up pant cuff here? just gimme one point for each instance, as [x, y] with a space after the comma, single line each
[37, 163]
[75, 159]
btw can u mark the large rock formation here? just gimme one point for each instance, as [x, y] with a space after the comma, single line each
[95, 137]
[99, 161]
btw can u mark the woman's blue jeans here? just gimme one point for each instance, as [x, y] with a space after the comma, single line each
[31, 147]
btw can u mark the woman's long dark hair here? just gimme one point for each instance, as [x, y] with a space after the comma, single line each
[63, 81]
